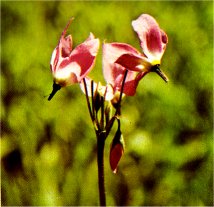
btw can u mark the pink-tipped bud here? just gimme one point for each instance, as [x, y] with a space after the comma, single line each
[117, 150]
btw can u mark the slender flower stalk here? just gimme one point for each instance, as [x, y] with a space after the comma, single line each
[102, 128]
[101, 137]
[117, 112]
[88, 101]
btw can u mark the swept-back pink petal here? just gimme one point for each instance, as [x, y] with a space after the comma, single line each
[66, 46]
[65, 43]
[153, 40]
[91, 37]
[54, 59]
[113, 72]
[63, 49]
[81, 59]
[130, 86]
[133, 62]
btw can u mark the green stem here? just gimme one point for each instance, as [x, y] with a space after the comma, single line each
[102, 113]
[87, 100]
[117, 112]
[92, 97]
[121, 94]
[101, 136]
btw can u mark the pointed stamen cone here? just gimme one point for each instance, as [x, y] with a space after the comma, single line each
[157, 70]
[56, 87]
[162, 75]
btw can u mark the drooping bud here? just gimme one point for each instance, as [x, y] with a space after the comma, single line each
[97, 99]
[115, 100]
[117, 149]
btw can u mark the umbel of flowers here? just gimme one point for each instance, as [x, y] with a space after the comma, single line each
[123, 68]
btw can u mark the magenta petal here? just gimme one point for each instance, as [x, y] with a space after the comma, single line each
[54, 59]
[130, 87]
[82, 58]
[164, 37]
[66, 46]
[130, 62]
[132, 81]
[153, 39]
[113, 72]
[65, 43]
[63, 49]
[91, 37]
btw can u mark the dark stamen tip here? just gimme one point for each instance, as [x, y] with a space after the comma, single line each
[56, 87]
[160, 73]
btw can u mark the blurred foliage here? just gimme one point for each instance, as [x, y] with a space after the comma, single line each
[48, 149]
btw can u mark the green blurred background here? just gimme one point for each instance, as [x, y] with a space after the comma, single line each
[48, 149]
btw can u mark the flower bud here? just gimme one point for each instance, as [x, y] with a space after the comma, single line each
[117, 150]
[115, 100]
[97, 99]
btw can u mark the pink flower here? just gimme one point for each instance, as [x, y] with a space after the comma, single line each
[117, 57]
[114, 73]
[71, 66]
[153, 40]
